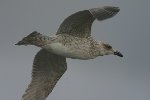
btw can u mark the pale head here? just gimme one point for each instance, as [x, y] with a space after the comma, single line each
[107, 49]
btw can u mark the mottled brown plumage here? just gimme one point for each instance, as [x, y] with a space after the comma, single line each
[73, 40]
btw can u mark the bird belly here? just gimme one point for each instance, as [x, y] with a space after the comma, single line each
[69, 52]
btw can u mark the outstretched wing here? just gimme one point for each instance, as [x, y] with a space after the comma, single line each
[79, 24]
[47, 70]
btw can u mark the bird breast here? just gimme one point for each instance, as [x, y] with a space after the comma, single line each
[69, 52]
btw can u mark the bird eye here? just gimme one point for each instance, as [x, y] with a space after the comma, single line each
[108, 46]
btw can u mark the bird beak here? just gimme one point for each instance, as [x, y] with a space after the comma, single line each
[118, 54]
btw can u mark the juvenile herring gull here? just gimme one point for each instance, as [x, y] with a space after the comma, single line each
[72, 40]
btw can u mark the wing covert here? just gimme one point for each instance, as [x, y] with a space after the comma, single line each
[47, 70]
[80, 23]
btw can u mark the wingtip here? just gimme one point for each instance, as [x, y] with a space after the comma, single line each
[105, 12]
[112, 8]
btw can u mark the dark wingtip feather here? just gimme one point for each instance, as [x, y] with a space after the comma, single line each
[105, 12]
[112, 9]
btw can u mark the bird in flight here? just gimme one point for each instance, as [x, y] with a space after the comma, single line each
[72, 40]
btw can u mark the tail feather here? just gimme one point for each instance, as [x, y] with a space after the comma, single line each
[33, 38]
[33, 34]
[22, 42]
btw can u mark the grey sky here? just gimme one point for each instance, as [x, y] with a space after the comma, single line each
[103, 78]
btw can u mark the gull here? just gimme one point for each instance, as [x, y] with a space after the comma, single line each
[72, 40]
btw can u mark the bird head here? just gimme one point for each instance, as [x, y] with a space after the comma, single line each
[107, 49]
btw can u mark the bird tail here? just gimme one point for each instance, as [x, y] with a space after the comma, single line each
[33, 38]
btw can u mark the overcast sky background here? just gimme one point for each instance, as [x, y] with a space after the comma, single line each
[103, 78]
